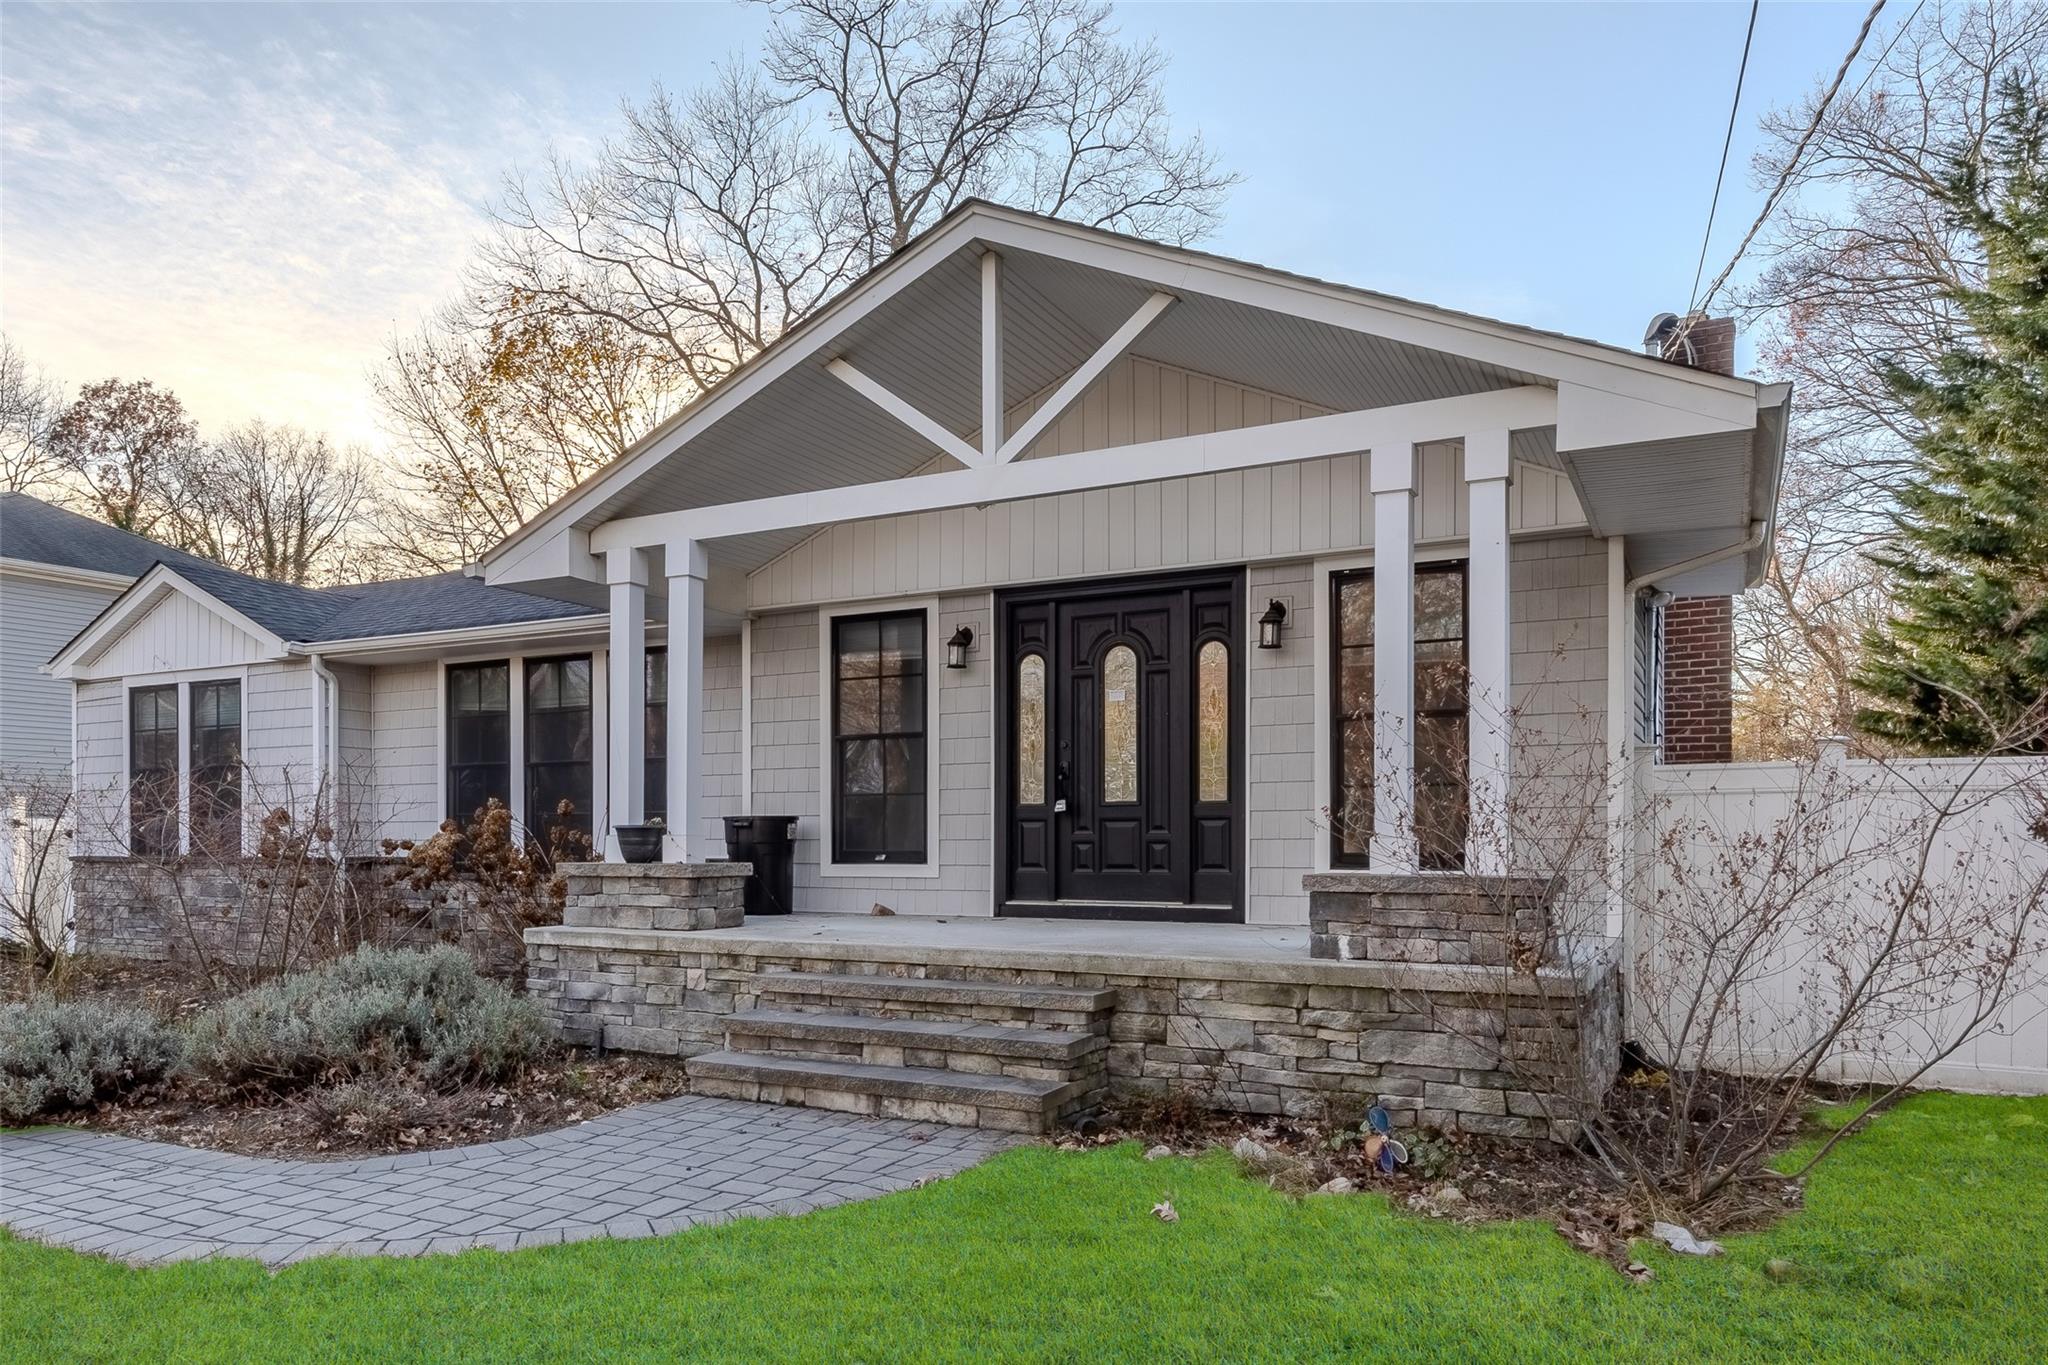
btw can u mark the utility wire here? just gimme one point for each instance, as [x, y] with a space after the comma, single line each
[1727, 141]
[1861, 85]
[1784, 177]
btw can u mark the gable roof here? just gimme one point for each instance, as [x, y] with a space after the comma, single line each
[1366, 349]
[36, 532]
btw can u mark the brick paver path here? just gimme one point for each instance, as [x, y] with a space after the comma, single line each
[638, 1172]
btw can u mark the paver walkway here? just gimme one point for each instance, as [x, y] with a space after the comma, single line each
[638, 1172]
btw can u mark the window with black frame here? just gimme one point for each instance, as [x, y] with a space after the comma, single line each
[153, 771]
[216, 745]
[558, 746]
[1441, 809]
[878, 738]
[479, 738]
[655, 799]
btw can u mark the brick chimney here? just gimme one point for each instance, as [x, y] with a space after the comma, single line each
[1699, 632]
[1711, 342]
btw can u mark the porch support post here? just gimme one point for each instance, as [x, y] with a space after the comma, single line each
[625, 572]
[687, 568]
[1488, 470]
[1393, 672]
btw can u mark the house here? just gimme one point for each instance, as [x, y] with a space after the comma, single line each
[58, 570]
[1045, 574]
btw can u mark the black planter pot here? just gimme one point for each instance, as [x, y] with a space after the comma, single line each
[639, 843]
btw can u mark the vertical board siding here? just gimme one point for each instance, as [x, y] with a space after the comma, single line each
[788, 720]
[175, 633]
[38, 618]
[1222, 518]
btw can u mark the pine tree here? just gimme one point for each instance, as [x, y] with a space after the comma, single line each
[1962, 666]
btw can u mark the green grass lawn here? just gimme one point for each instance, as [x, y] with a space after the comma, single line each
[1925, 1238]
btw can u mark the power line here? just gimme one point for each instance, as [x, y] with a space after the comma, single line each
[1727, 141]
[1897, 34]
[1784, 176]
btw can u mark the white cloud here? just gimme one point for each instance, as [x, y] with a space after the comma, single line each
[241, 205]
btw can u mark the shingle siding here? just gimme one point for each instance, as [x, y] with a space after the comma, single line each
[1280, 746]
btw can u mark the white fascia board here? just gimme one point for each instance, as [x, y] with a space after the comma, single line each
[795, 347]
[143, 595]
[64, 574]
[1306, 438]
[1589, 418]
[459, 639]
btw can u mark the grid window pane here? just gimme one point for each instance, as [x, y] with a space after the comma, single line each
[479, 737]
[1441, 812]
[879, 707]
[216, 800]
[559, 738]
[654, 791]
[153, 771]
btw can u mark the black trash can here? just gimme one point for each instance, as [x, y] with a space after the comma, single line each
[769, 843]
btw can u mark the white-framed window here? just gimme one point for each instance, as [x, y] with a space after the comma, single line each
[184, 763]
[878, 676]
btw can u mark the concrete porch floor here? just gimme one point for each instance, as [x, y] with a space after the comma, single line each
[1233, 943]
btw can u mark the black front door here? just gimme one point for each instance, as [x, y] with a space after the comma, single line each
[1121, 771]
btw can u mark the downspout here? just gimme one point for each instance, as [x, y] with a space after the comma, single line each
[326, 737]
[1620, 730]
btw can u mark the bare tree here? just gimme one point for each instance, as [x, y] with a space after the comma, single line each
[1859, 264]
[501, 412]
[30, 402]
[274, 501]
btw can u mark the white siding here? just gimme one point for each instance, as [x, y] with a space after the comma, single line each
[97, 772]
[175, 633]
[281, 768]
[37, 618]
[787, 721]
[403, 772]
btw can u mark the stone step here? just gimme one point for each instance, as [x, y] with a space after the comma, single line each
[925, 1094]
[935, 991]
[1046, 1045]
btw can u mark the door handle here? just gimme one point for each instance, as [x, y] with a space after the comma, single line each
[1059, 787]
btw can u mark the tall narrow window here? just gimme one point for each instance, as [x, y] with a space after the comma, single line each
[558, 748]
[878, 738]
[216, 744]
[153, 771]
[655, 798]
[479, 738]
[1212, 722]
[1441, 811]
[1031, 730]
[1120, 725]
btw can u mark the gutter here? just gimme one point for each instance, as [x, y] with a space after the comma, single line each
[1758, 532]
[326, 724]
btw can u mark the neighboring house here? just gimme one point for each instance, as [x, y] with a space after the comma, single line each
[1043, 572]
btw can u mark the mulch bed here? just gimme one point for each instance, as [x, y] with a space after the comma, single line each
[1466, 1178]
[379, 1117]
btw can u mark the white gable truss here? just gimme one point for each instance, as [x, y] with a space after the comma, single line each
[164, 623]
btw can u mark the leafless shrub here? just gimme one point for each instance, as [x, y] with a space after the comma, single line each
[497, 870]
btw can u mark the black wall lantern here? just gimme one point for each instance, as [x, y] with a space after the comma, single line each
[957, 647]
[1270, 623]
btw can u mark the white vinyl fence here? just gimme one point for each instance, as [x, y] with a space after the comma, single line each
[1845, 835]
[35, 870]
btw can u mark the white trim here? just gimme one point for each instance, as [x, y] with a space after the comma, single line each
[1620, 731]
[1068, 393]
[747, 715]
[904, 412]
[1306, 438]
[138, 601]
[64, 574]
[992, 394]
[1167, 268]
[182, 679]
[1321, 571]
[934, 662]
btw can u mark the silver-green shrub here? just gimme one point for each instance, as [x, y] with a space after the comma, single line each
[66, 1054]
[379, 1011]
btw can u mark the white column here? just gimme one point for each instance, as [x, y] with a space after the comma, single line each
[626, 695]
[687, 567]
[991, 355]
[1393, 662]
[1488, 471]
[1621, 665]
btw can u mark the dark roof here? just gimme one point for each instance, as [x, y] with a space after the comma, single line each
[33, 530]
[36, 531]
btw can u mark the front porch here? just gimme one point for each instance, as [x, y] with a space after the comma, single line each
[1025, 1024]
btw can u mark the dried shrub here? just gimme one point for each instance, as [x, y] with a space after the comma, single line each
[376, 1012]
[67, 1054]
[494, 868]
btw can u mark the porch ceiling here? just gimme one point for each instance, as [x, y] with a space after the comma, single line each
[809, 431]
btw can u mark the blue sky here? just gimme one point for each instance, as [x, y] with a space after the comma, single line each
[243, 202]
